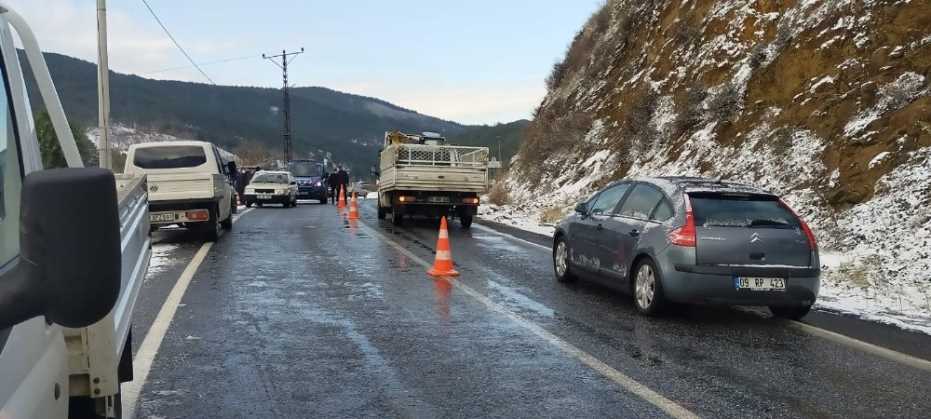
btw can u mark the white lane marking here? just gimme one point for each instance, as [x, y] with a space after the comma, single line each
[813, 330]
[879, 351]
[491, 230]
[142, 364]
[668, 406]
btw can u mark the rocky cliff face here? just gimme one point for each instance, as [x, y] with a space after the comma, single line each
[826, 102]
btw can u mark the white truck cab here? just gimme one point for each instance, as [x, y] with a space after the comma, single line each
[190, 184]
[74, 250]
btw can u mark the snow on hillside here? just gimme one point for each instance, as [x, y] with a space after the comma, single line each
[122, 136]
[826, 103]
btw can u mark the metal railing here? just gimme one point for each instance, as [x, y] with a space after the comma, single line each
[444, 156]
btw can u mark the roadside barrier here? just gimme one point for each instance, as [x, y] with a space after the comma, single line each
[443, 263]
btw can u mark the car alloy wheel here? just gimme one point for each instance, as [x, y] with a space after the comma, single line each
[561, 259]
[646, 287]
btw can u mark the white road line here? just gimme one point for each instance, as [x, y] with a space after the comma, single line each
[879, 351]
[668, 406]
[807, 328]
[145, 356]
[511, 236]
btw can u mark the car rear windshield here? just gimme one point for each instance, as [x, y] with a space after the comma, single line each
[169, 157]
[740, 210]
[271, 178]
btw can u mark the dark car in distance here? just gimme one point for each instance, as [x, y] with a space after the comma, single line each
[311, 179]
[692, 240]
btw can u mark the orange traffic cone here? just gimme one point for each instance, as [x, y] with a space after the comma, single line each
[341, 201]
[354, 208]
[443, 264]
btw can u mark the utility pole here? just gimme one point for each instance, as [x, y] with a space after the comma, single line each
[286, 58]
[103, 88]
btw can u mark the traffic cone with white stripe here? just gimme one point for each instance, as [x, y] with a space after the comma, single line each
[443, 263]
[353, 208]
[341, 201]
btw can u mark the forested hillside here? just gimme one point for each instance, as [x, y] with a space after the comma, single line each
[349, 126]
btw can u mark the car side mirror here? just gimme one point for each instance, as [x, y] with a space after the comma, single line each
[581, 208]
[294, 182]
[70, 263]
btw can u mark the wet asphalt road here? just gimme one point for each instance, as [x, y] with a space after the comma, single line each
[298, 314]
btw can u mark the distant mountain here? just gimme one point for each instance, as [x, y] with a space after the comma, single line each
[349, 126]
[506, 136]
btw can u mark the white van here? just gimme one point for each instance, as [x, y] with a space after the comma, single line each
[190, 184]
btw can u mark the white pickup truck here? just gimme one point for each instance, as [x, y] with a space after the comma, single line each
[74, 250]
[421, 175]
[190, 184]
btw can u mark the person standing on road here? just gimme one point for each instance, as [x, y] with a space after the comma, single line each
[333, 184]
[342, 177]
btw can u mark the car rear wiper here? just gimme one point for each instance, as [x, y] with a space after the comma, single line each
[769, 223]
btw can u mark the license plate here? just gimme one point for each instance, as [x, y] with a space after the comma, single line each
[264, 196]
[438, 199]
[165, 217]
[759, 284]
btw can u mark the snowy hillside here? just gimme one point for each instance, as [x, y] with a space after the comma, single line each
[825, 102]
[122, 136]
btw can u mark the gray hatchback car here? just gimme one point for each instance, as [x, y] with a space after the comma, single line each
[692, 240]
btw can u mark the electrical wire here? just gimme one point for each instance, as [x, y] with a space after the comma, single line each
[170, 36]
[219, 61]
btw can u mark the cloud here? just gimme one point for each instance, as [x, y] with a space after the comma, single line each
[137, 47]
[485, 103]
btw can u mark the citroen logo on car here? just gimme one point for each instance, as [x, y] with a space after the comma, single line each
[755, 237]
[153, 188]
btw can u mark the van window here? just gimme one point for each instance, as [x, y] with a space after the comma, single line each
[169, 157]
[11, 184]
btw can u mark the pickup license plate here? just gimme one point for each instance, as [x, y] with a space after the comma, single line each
[759, 284]
[164, 217]
[438, 199]
[264, 196]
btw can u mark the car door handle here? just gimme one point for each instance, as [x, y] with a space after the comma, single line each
[634, 233]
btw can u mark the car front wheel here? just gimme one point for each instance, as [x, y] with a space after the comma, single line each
[648, 288]
[561, 266]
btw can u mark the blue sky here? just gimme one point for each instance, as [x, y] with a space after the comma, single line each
[476, 61]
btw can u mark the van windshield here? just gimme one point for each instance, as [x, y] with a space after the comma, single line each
[305, 169]
[169, 157]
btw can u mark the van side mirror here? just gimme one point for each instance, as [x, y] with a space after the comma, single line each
[70, 263]
[374, 171]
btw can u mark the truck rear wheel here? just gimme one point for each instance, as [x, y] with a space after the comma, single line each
[397, 218]
[382, 213]
[211, 228]
[465, 221]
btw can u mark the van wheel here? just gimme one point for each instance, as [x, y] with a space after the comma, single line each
[561, 265]
[648, 288]
[790, 312]
[382, 213]
[397, 218]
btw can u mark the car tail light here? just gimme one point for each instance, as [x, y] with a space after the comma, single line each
[810, 235]
[470, 200]
[405, 199]
[685, 236]
[197, 215]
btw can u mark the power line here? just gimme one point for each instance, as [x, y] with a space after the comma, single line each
[170, 36]
[205, 63]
